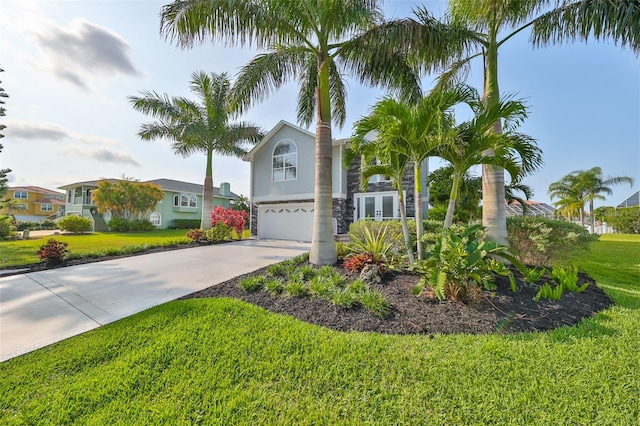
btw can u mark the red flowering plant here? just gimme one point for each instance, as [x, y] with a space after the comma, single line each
[232, 218]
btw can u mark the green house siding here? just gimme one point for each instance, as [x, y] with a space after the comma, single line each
[169, 212]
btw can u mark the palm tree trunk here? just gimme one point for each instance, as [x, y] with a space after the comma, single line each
[448, 219]
[207, 194]
[593, 219]
[323, 247]
[405, 225]
[417, 167]
[494, 212]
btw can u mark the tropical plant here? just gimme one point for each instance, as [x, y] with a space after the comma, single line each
[316, 42]
[374, 245]
[584, 186]
[461, 263]
[469, 142]
[201, 126]
[53, 252]
[533, 275]
[548, 292]
[75, 224]
[412, 131]
[480, 28]
[127, 199]
[7, 227]
[196, 234]
[440, 183]
[13, 204]
[568, 278]
[218, 232]
[235, 219]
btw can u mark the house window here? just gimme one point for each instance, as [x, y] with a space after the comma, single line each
[185, 200]
[20, 194]
[46, 207]
[285, 161]
[20, 207]
[155, 218]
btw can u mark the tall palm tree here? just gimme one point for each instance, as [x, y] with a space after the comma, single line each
[491, 23]
[413, 129]
[377, 160]
[469, 142]
[201, 126]
[595, 185]
[570, 196]
[315, 42]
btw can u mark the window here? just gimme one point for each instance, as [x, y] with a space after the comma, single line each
[46, 207]
[285, 161]
[20, 194]
[185, 200]
[20, 207]
[155, 218]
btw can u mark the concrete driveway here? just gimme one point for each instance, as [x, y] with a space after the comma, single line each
[40, 308]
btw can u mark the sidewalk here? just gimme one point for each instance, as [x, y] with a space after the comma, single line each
[40, 308]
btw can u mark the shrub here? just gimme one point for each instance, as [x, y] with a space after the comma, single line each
[75, 224]
[462, 263]
[625, 220]
[196, 234]
[218, 232]
[357, 261]
[118, 225]
[53, 252]
[122, 225]
[7, 228]
[274, 286]
[541, 241]
[186, 223]
[568, 278]
[252, 283]
[296, 288]
[533, 275]
[235, 219]
[34, 226]
[376, 303]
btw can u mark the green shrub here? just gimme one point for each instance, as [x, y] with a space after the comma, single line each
[300, 259]
[437, 213]
[376, 303]
[568, 278]
[295, 287]
[219, 232]
[35, 226]
[7, 228]
[274, 285]
[321, 287]
[53, 252]
[252, 283]
[461, 264]
[625, 220]
[75, 224]
[344, 298]
[548, 292]
[123, 225]
[143, 225]
[533, 275]
[541, 241]
[186, 223]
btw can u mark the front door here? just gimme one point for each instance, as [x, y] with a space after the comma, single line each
[376, 206]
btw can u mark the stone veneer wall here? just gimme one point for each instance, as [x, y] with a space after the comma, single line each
[353, 186]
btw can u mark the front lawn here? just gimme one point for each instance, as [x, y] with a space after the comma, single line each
[222, 361]
[23, 252]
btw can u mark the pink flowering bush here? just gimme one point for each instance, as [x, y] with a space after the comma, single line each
[232, 218]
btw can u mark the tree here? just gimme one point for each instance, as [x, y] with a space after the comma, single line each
[570, 196]
[201, 126]
[13, 204]
[375, 160]
[440, 182]
[314, 42]
[415, 130]
[127, 199]
[479, 29]
[470, 140]
[3, 172]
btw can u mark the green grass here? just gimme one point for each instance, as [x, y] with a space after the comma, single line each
[22, 252]
[221, 361]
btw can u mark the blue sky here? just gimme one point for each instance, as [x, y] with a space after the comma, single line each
[70, 65]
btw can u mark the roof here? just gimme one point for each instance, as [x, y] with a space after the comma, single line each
[631, 200]
[37, 189]
[165, 184]
[534, 208]
[51, 201]
[275, 130]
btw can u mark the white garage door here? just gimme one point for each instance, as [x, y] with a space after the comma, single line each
[286, 221]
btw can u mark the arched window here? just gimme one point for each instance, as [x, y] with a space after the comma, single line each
[285, 161]
[155, 218]
[176, 200]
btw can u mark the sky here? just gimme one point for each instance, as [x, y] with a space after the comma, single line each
[70, 66]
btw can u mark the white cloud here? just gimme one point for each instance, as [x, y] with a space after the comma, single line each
[103, 155]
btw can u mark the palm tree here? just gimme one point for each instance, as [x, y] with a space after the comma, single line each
[201, 126]
[314, 42]
[12, 204]
[469, 142]
[570, 196]
[376, 160]
[511, 197]
[595, 184]
[414, 130]
[481, 27]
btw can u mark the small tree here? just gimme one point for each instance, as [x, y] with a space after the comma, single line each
[127, 199]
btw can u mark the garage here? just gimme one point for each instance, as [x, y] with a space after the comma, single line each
[288, 221]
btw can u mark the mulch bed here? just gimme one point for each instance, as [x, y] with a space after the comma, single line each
[500, 311]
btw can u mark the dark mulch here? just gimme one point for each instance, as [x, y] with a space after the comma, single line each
[501, 311]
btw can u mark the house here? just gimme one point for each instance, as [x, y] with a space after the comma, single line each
[283, 181]
[33, 203]
[632, 200]
[182, 200]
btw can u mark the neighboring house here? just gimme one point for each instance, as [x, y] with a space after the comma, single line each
[534, 208]
[33, 203]
[632, 200]
[283, 182]
[182, 200]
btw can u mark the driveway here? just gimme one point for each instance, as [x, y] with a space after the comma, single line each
[40, 308]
